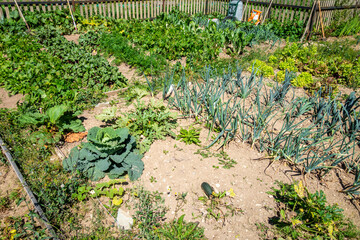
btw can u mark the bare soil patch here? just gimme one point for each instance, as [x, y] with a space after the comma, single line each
[7, 101]
[74, 38]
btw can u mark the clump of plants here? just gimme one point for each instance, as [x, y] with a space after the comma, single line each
[305, 215]
[261, 68]
[303, 80]
[108, 152]
[150, 216]
[50, 126]
[189, 136]
[218, 205]
[148, 123]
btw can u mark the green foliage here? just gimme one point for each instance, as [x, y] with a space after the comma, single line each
[217, 207]
[307, 215]
[149, 123]
[288, 64]
[49, 127]
[179, 229]
[303, 80]
[261, 68]
[107, 189]
[108, 115]
[190, 136]
[61, 69]
[59, 19]
[291, 29]
[107, 152]
[51, 185]
[350, 27]
[117, 45]
[150, 212]
[336, 60]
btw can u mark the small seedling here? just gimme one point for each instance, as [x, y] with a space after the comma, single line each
[153, 179]
[190, 136]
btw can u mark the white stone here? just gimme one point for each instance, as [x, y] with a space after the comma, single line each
[124, 220]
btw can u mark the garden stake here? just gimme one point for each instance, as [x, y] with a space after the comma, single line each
[267, 11]
[71, 13]
[21, 15]
[308, 23]
[36, 204]
[321, 22]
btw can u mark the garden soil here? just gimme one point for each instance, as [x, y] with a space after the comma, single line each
[7, 101]
[173, 168]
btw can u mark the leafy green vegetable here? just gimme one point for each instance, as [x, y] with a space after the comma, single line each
[108, 152]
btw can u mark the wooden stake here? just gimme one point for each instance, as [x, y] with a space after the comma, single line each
[21, 15]
[71, 13]
[308, 23]
[267, 11]
[321, 22]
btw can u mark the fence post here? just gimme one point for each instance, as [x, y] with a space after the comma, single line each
[163, 7]
[312, 20]
[207, 7]
[73, 5]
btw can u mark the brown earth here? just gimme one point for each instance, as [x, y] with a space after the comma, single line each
[7, 101]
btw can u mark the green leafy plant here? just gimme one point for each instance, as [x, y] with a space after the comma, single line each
[189, 136]
[150, 212]
[107, 152]
[305, 215]
[50, 126]
[261, 68]
[149, 122]
[225, 160]
[107, 189]
[179, 229]
[303, 80]
[217, 207]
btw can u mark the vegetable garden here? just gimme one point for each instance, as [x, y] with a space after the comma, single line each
[224, 130]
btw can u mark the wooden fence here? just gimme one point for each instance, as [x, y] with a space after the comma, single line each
[281, 10]
[126, 9]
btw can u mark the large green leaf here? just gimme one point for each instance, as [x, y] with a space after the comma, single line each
[74, 125]
[103, 164]
[56, 112]
[69, 163]
[32, 118]
[136, 165]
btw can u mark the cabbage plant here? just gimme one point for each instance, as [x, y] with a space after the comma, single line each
[108, 152]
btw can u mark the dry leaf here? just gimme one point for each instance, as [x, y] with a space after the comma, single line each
[74, 137]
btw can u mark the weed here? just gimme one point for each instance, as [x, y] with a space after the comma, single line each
[190, 136]
[302, 214]
[153, 179]
[218, 205]
[225, 160]
[179, 229]
[150, 212]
